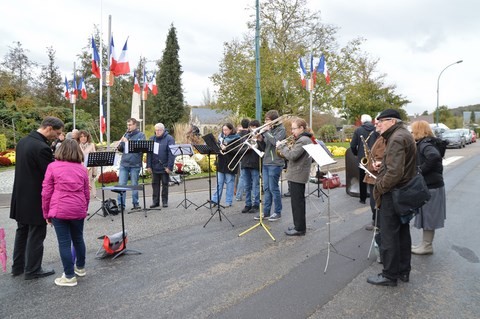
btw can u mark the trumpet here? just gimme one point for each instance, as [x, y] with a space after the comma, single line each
[289, 141]
[368, 154]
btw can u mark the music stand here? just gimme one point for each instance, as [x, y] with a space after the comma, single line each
[212, 144]
[183, 149]
[206, 150]
[141, 146]
[122, 189]
[322, 158]
[100, 159]
[318, 190]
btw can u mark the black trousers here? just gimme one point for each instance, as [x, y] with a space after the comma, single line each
[372, 200]
[362, 185]
[396, 243]
[28, 248]
[157, 179]
[297, 197]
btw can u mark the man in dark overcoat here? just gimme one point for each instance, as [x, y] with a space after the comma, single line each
[33, 154]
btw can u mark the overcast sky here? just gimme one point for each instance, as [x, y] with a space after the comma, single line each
[413, 39]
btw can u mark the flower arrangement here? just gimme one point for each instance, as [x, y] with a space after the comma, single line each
[188, 165]
[108, 177]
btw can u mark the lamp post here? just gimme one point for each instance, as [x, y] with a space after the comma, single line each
[438, 86]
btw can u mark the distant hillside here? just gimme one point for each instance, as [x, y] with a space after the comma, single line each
[458, 111]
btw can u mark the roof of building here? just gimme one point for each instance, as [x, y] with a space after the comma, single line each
[207, 116]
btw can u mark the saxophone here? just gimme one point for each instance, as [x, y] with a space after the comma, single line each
[368, 154]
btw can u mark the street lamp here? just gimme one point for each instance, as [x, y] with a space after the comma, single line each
[438, 85]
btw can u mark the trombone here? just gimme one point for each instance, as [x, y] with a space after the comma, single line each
[248, 144]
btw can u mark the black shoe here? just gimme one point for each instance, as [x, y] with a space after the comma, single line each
[16, 273]
[379, 280]
[404, 277]
[164, 205]
[254, 210]
[361, 201]
[247, 209]
[154, 205]
[287, 194]
[294, 232]
[136, 207]
[39, 274]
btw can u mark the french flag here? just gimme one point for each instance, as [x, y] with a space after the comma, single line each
[74, 84]
[145, 84]
[153, 85]
[121, 66]
[95, 60]
[322, 68]
[302, 74]
[83, 89]
[136, 85]
[66, 93]
[113, 61]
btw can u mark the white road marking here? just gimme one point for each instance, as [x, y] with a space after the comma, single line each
[450, 160]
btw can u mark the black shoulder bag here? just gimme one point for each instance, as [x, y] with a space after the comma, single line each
[408, 199]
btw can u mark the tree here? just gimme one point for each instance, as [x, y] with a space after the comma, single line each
[472, 117]
[169, 103]
[50, 87]
[20, 67]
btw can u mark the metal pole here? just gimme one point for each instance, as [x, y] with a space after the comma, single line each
[75, 98]
[438, 87]
[108, 87]
[258, 94]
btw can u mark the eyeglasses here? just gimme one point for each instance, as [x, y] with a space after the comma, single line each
[383, 120]
[295, 128]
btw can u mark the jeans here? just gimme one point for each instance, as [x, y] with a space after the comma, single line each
[251, 178]
[224, 178]
[240, 185]
[271, 176]
[70, 231]
[125, 172]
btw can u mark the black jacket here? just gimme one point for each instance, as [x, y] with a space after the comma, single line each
[430, 162]
[357, 145]
[164, 158]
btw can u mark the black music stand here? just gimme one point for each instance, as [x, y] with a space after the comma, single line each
[141, 146]
[100, 159]
[212, 144]
[183, 149]
[122, 189]
[206, 150]
[319, 192]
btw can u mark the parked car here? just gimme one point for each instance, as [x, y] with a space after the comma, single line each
[438, 129]
[454, 138]
[466, 133]
[474, 136]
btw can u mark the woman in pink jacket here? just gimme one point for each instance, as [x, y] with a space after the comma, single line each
[65, 199]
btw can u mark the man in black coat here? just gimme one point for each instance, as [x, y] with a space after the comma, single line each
[33, 154]
[367, 130]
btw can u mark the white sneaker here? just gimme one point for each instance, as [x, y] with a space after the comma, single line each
[67, 282]
[80, 272]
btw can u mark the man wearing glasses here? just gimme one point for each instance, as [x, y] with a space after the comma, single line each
[33, 154]
[160, 164]
[131, 163]
[396, 169]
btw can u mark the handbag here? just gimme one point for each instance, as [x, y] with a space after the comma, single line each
[331, 182]
[410, 197]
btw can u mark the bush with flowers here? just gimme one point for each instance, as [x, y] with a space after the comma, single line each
[185, 164]
[7, 158]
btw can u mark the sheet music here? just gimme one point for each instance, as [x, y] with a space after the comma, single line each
[319, 155]
[156, 147]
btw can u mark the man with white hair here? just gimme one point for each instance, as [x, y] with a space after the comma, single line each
[160, 164]
[367, 130]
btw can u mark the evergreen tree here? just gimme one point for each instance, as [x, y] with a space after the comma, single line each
[50, 87]
[169, 103]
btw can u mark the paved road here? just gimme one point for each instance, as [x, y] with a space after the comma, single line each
[187, 270]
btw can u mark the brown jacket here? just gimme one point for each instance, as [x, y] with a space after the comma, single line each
[398, 164]
[377, 151]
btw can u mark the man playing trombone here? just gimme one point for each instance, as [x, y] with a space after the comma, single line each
[272, 132]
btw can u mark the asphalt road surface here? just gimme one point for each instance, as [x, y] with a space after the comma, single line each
[191, 270]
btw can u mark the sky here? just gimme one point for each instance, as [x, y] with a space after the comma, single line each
[414, 40]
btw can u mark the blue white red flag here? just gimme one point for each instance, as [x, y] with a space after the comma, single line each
[74, 86]
[136, 85]
[83, 89]
[302, 74]
[153, 85]
[322, 68]
[145, 84]
[122, 66]
[113, 60]
[95, 60]
[103, 123]
[66, 92]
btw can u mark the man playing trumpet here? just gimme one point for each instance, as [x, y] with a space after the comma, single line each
[298, 174]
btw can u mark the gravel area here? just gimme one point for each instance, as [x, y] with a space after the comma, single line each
[6, 181]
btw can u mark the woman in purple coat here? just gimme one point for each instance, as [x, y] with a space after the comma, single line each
[65, 199]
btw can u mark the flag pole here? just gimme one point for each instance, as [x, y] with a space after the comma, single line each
[74, 95]
[108, 87]
[100, 84]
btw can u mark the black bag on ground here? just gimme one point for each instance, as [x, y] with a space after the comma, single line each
[410, 197]
[110, 207]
